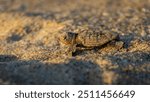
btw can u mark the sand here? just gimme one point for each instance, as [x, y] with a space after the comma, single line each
[30, 52]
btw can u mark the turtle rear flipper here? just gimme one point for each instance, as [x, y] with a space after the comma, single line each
[119, 44]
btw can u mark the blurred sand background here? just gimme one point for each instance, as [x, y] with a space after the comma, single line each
[31, 54]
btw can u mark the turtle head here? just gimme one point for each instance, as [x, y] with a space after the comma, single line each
[68, 37]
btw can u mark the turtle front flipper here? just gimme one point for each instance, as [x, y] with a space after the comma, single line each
[72, 47]
[71, 50]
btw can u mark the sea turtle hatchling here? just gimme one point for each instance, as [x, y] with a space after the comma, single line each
[88, 37]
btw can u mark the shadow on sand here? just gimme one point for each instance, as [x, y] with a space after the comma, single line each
[76, 72]
[35, 72]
